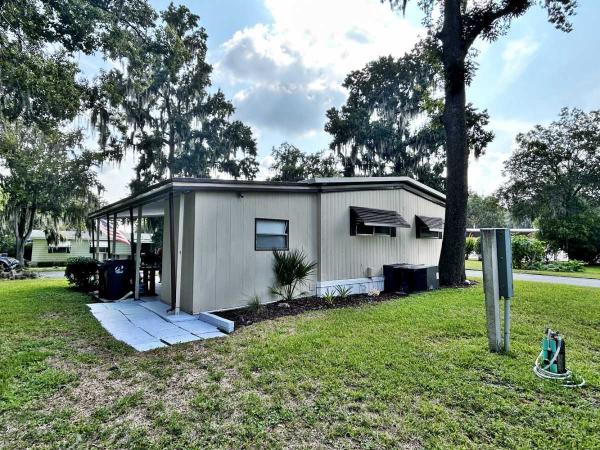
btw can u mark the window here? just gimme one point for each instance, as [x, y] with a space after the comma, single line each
[368, 230]
[429, 227]
[375, 222]
[427, 234]
[100, 249]
[271, 234]
[63, 247]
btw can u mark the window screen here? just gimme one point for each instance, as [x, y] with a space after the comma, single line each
[271, 234]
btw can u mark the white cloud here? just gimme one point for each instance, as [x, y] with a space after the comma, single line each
[116, 177]
[264, 167]
[485, 173]
[516, 56]
[291, 70]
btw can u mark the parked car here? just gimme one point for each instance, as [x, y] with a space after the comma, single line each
[8, 264]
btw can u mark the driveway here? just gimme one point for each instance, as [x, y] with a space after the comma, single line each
[586, 282]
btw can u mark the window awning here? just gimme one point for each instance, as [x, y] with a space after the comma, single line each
[378, 217]
[432, 223]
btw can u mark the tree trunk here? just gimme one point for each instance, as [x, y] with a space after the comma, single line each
[23, 225]
[452, 258]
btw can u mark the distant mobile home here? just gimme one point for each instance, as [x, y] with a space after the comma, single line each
[223, 233]
[74, 245]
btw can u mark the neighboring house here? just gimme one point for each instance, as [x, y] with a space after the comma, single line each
[226, 230]
[73, 246]
[476, 232]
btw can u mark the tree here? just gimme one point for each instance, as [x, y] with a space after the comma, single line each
[291, 164]
[485, 212]
[44, 175]
[554, 176]
[160, 107]
[460, 23]
[39, 39]
[376, 133]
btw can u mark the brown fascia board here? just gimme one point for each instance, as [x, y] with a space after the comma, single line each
[162, 189]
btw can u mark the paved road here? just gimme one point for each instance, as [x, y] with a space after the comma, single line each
[587, 282]
[53, 274]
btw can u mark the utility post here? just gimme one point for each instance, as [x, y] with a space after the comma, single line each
[497, 282]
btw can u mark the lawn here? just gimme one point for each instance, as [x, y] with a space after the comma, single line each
[588, 271]
[408, 373]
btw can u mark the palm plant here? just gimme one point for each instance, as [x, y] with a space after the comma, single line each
[292, 270]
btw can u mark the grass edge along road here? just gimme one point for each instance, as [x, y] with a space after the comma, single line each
[592, 272]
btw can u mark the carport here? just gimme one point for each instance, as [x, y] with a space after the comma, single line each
[157, 201]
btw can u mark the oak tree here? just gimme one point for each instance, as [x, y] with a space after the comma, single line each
[455, 25]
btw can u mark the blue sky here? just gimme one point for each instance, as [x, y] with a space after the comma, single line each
[282, 62]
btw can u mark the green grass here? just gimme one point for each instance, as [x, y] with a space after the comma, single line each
[588, 271]
[412, 372]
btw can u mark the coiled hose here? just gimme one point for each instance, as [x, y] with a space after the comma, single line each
[567, 379]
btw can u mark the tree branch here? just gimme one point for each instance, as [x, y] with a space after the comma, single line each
[482, 20]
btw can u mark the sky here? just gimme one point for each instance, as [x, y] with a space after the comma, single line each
[282, 63]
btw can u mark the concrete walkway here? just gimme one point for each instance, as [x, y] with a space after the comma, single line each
[144, 325]
[586, 282]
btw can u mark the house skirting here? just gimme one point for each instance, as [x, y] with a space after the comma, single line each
[357, 285]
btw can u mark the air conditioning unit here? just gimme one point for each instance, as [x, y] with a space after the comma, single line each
[410, 278]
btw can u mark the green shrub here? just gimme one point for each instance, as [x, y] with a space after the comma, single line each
[292, 270]
[470, 243]
[328, 297]
[478, 246]
[343, 292]
[82, 272]
[527, 252]
[573, 265]
[253, 304]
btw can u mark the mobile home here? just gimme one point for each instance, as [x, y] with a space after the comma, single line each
[74, 244]
[219, 234]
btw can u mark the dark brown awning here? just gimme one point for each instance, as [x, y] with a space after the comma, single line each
[432, 223]
[378, 217]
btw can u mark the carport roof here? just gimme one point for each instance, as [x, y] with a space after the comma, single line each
[151, 199]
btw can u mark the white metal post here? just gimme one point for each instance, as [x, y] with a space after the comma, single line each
[491, 287]
[114, 236]
[98, 238]
[138, 253]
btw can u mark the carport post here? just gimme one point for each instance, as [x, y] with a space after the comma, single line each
[108, 234]
[138, 252]
[114, 249]
[93, 242]
[131, 237]
[173, 259]
[98, 237]
[179, 251]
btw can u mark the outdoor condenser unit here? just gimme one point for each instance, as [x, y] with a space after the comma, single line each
[410, 278]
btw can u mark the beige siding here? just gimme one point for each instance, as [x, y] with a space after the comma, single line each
[228, 271]
[344, 257]
[187, 254]
[221, 269]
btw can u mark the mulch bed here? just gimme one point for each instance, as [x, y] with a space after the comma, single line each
[245, 316]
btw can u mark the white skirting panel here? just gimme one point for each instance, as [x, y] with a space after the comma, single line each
[357, 285]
